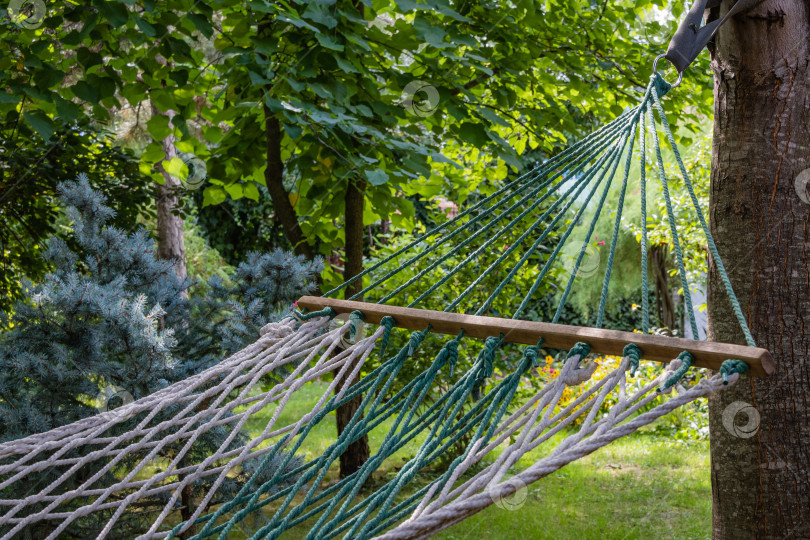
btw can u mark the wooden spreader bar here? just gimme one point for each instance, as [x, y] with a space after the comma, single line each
[707, 354]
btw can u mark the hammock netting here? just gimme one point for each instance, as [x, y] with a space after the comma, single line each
[137, 463]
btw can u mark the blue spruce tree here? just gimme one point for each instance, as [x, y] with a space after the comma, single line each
[110, 323]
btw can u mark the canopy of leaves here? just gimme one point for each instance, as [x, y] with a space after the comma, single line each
[413, 98]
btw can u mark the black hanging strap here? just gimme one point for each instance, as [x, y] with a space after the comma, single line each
[690, 38]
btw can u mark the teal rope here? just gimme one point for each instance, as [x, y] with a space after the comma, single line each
[350, 491]
[735, 304]
[482, 230]
[597, 213]
[325, 312]
[352, 432]
[452, 354]
[617, 225]
[687, 360]
[633, 352]
[581, 348]
[580, 185]
[368, 388]
[425, 420]
[732, 366]
[437, 433]
[506, 390]
[645, 289]
[337, 503]
[687, 294]
[606, 158]
[548, 164]
[388, 324]
[357, 389]
[487, 360]
[355, 318]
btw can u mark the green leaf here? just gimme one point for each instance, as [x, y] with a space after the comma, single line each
[251, 191]
[179, 76]
[434, 35]
[345, 65]
[472, 133]
[67, 110]
[153, 153]
[41, 123]
[377, 177]
[176, 168]
[85, 91]
[48, 77]
[88, 58]
[146, 28]
[115, 12]
[493, 117]
[158, 127]
[163, 99]
[329, 42]
[319, 12]
[292, 131]
[8, 98]
[256, 79]
[201, 24]
[236, 191]
[213, 195]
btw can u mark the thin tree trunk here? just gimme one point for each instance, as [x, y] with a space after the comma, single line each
[274, 180]
[663, 295]
[760, 428]
[169, 224]
[187, 510]
[357, 452]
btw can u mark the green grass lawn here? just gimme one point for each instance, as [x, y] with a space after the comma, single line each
[642, 486]
[638, 487]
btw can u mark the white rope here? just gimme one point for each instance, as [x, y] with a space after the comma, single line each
[487, 487]
[309, 349]
[228, 394]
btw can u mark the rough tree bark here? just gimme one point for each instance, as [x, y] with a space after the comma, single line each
[665, 307]
[357, 452]
[171, 245]
[274, 180]
[760, 217]
[169, 225]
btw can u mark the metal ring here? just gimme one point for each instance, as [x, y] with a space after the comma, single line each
[655, 70]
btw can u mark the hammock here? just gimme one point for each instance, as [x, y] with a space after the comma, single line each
[102, 469]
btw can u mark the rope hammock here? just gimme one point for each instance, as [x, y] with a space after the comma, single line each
[144, 446]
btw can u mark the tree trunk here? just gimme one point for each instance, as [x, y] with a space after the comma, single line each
[357, 452]
[760, 217]
[663, 295]
[274, 180]
[187, 510]
[169, 224]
